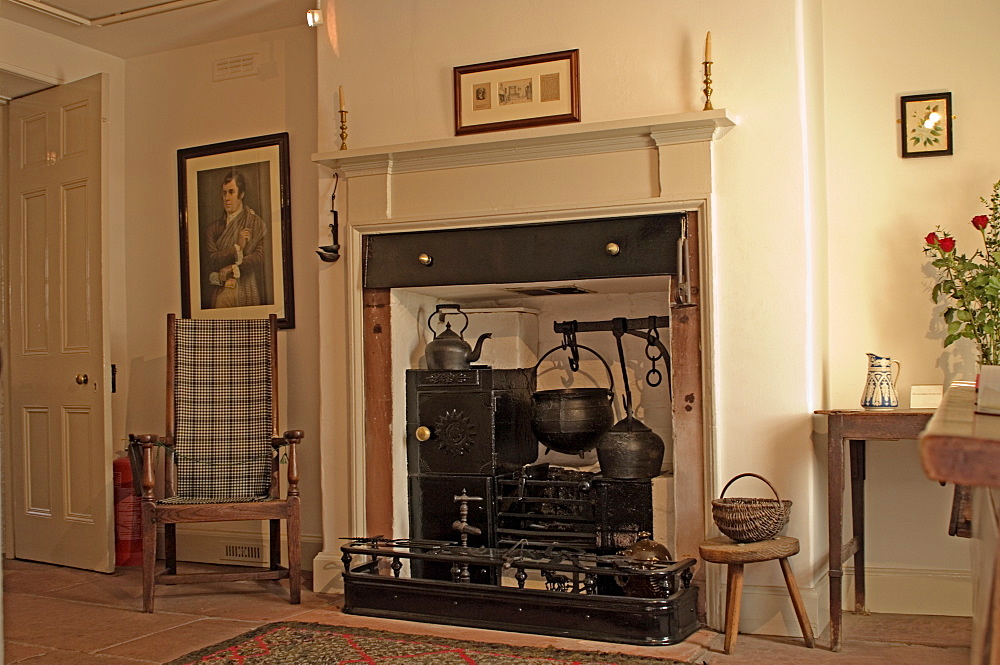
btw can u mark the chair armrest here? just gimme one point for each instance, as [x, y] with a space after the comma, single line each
[292, 438]
[145, 455]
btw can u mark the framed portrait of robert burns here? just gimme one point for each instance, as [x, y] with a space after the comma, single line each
[235, 230]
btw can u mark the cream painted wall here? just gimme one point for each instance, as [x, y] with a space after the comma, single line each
[881, 206]
[172, 104]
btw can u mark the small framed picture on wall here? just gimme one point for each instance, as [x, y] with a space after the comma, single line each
[926, 124]
[530, 91]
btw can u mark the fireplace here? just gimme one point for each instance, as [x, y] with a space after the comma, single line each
[476, 423]
[546, 177]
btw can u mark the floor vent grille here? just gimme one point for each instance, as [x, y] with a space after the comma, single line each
[243, 552]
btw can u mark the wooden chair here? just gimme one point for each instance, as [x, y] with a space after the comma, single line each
[222, 448]
[735, 555]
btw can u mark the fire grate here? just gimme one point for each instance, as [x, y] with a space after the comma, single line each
[542, 505]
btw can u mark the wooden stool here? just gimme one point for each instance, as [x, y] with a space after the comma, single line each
[733, 554]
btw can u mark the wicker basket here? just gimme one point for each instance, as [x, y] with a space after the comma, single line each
[750, 520]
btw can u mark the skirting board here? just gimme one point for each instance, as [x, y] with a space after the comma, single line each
[908, 591]
[209, 546]
[327, 573]
[767, 610]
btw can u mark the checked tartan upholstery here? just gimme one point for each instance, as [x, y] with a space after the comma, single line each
[223, 411]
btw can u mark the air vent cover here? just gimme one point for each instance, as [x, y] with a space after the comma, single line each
[234, 67]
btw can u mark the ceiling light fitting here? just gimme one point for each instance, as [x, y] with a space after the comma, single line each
[314, 17]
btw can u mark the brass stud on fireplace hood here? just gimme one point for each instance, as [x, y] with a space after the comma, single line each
[425, 259]
[612, 249]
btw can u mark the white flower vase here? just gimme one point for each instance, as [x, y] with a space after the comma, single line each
[880, 387]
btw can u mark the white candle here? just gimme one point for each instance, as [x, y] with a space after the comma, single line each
[342, 107]
[708, 47]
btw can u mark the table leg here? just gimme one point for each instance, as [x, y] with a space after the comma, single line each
[858, 519]
[835, 509]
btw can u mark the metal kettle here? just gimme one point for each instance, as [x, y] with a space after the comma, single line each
[448, 349]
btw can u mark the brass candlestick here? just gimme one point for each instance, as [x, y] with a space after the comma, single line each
[708, 86]
[343, 129]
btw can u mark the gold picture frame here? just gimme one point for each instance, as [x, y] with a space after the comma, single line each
[530, 91]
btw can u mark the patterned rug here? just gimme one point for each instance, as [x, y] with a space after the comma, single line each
[297, 643]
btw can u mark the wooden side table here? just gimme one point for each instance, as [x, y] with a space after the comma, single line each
[853, 429]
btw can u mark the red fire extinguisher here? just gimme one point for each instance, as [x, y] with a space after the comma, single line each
[128, 529]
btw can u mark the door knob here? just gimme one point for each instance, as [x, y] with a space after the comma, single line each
[82, 379]
[423, 433]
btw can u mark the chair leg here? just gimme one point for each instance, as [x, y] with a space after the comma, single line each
[734, 592]
[275, 541]
[148, 517]
[800, 608]
[294, 551]
[170, 546]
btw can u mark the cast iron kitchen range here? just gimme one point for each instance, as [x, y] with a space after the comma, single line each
[498, 540]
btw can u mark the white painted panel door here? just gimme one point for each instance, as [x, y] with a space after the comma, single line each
[60, 402]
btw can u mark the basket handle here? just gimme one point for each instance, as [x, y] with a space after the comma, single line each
[611, 377]
[735, 478]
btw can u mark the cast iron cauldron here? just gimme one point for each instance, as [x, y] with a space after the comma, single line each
[570, 420]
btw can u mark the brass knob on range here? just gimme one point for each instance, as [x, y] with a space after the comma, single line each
[425, 259]
[612, 249]
[82, 379]
[423, 433]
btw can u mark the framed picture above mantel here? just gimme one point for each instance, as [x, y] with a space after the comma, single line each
[530, 91]
[235, 230]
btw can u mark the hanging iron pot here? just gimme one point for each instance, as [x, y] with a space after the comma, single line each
[629, 449]
[570, 420]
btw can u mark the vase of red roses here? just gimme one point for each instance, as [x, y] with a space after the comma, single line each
[969, 285]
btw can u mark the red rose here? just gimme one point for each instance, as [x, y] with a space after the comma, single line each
[931, 239]
[946, 244]
[980, 222]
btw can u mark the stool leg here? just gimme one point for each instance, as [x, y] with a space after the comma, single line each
[734, 591]
[800, 608]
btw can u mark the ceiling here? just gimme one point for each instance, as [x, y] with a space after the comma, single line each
[180, 26]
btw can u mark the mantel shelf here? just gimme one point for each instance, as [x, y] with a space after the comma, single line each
[527, 144]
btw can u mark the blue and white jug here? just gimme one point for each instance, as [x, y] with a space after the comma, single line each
[880, 388]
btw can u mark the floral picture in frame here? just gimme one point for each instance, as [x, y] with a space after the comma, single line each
[926, 124]
[521, 92]
[235, 230]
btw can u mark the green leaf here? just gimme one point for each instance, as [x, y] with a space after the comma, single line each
[950, 339]
[954, 327]
[963, 315]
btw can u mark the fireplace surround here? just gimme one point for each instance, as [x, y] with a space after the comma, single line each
[606, 170]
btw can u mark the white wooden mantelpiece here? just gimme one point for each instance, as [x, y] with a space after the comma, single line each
[639, 161]
[537, 143]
